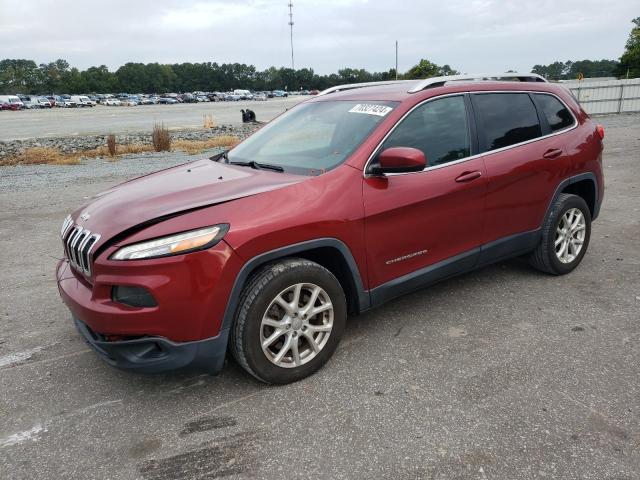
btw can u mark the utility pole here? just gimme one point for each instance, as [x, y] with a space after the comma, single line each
[396, 59]
[291, 28]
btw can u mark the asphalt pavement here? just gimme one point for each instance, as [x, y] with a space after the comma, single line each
[503, 373]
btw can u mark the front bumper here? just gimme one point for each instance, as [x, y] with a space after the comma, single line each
[157, 354]
[184, 327]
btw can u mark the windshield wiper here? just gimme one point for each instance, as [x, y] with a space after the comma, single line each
[220, 156]
[259, 166]
[224, 157]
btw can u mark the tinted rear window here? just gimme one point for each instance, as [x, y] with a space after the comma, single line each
[506, 119]
[557, 115]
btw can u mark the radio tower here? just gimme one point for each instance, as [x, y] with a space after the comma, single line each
[291, 27]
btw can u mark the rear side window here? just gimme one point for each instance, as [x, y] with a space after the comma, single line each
[557, 115]
[506, 119]
[439, 128]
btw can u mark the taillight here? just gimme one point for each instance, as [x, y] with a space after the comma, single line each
[600, 130]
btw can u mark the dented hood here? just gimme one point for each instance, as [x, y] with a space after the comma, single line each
[168, 192]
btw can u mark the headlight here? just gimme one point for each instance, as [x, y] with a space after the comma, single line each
[173, 244]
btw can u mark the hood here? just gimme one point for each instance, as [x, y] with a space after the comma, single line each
[186, 187]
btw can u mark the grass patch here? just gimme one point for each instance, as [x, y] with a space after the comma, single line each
[193, 147]
[111, 145]
[161, 138]
[53, 156]
[42, 156]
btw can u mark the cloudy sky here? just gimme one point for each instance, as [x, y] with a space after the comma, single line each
[470, 35]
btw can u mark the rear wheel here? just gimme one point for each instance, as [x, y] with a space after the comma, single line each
[290, 320]
[565, 236]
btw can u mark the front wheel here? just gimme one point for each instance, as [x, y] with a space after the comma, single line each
[565, 236]
[290, 320]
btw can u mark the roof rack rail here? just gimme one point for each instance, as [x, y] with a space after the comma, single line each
[351, 86]
[420, 85]
[440, 81]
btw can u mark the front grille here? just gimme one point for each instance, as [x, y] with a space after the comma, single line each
[78, 243]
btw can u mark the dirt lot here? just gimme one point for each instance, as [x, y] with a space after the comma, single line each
[501, 373]
[59, 122]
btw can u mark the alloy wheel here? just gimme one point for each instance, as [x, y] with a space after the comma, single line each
[570, 235]
[296, 325]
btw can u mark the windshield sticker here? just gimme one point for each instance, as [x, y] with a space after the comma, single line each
[369, 109]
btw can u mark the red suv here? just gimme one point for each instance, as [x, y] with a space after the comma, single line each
[356, 196]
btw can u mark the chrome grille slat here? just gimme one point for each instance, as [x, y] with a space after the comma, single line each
[80, 255]
[66, 225]
[74, 243]
[78, 244]
[70, 238]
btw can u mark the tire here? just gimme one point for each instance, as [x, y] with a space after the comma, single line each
[556, 253]
[269, 297]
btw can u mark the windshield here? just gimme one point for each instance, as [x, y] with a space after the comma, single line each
[313, 137]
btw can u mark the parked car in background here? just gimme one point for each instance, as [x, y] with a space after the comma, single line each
[44, 102]
[280, 93]
[243, 94]
[8, 106]
[188, 98]
[130, 101]
[232, 97]
[11, 102]
[313, 92]
[111, 102]
[260, 97]
[81, 101]
[167, 101]
[65, 103]
[30, 102]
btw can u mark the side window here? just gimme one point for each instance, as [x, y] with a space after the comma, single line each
[439, 128]
[557, 115]
[506, 119]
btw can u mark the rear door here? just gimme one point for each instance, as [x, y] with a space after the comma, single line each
[524, 160]
[415, 220]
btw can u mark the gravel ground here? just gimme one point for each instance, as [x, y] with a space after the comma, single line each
[91, 171]
[502, 373]
[60, 122]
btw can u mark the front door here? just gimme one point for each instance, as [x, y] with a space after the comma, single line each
[421, 225]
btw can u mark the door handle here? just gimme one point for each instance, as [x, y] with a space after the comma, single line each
[552, 153]
[468, 176]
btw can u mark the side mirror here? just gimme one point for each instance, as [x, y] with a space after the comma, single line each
[400, 160]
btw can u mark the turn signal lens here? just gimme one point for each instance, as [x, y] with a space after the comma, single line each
[192, 243]
[174, 244]
[600, 130]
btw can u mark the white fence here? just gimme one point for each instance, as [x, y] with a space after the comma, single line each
[612, 96]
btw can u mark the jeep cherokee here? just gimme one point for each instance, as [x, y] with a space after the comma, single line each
[349, 199]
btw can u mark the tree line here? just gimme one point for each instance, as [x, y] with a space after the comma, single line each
[25, 76]
[571, 70]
